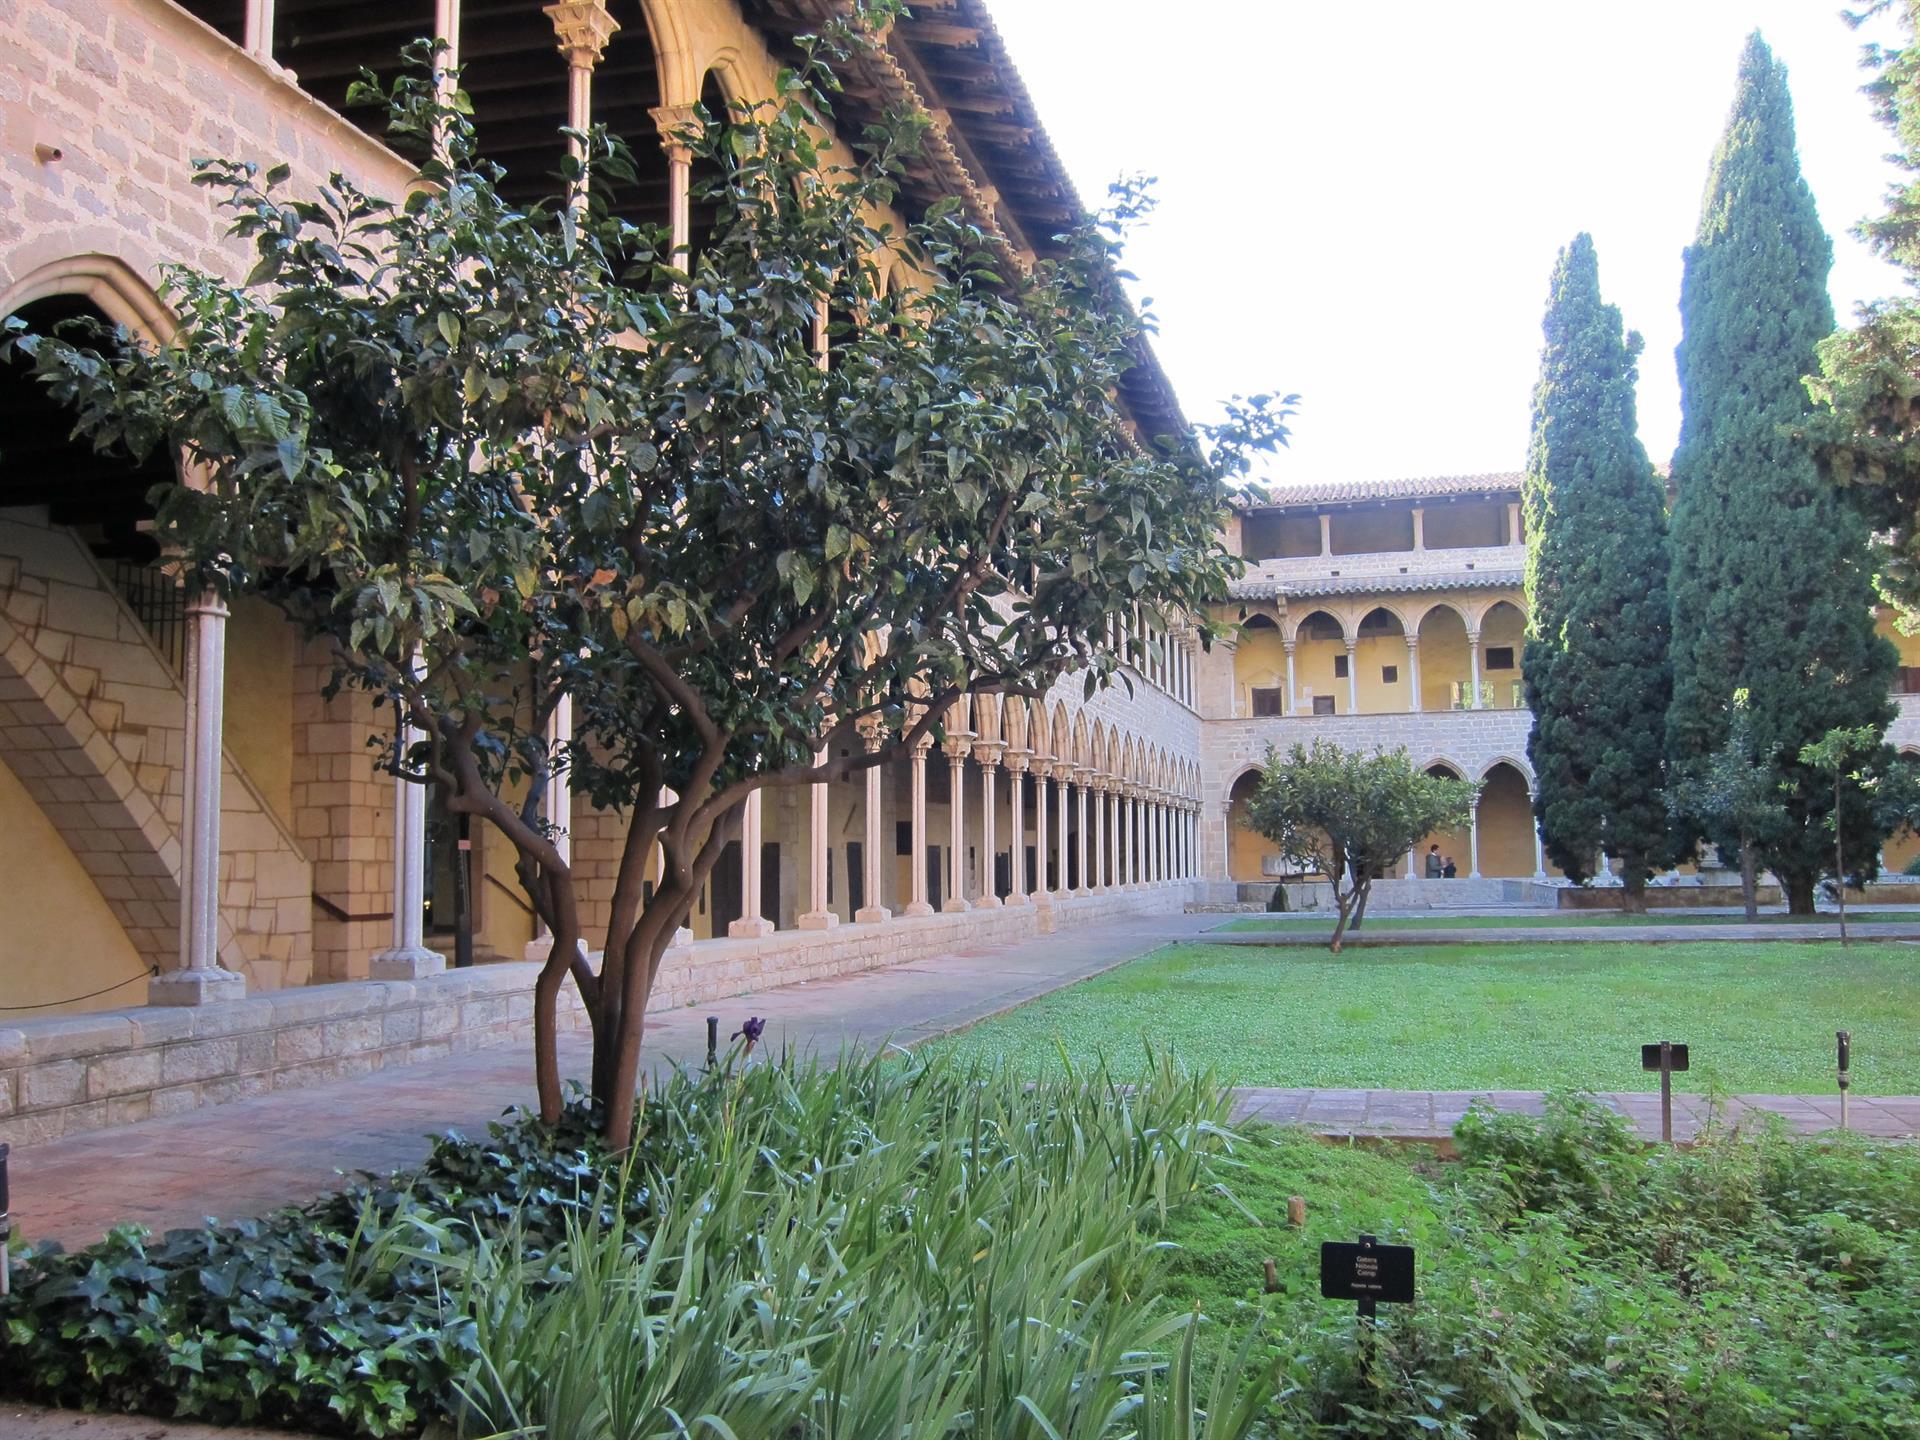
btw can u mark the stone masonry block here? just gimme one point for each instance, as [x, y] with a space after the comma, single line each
[199, 1060]
[121, 1074]
[49, 1086]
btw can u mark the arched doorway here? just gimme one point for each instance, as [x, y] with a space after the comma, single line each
[1260, 668]
[1455, 844]
[1322, 683]
[1506, 823]
[1503, 631]
[1444, 662]
[1247, 849]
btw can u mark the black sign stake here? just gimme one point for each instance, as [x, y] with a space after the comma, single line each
[1845, 1038]
[1666, 1057]
[713, 1040]
[6, 1223]
[1366, 1273]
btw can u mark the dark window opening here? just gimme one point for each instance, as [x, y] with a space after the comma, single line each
[1389, 674]
[1340, 667]
[1500, 657]
[903, 837]
[1267, 701]
[1323, 705]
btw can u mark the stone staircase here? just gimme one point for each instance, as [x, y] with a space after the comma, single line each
[92, 721]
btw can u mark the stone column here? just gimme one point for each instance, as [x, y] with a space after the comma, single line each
[257, 29]
[408, 957]
[1064, 769]
[1513, 522]
[1081, 848]
[1419, 527]
[674, 121]
[1413, 863]
[1017, 802]
[917, 861]
[1353, 676]
[956, 900]
[200, 977]
[1473, 842]
[1142, 842]
[751, 922]
[1539, 854]
[875, 910]
[1473, 666]
[1326, 534]
[1293, 702]
[988, 754]
[1413, 673]
[558, 807]
[819, 914]
[1042, 841]
[1097, 880]
[582, 28]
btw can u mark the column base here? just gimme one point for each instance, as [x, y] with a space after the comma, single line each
[871, 915]
[954, 906]
[819, 920]
[988, 902]
[917, 909]
[410, 964]
[750, 928]
[196, 987]
[1018, 902]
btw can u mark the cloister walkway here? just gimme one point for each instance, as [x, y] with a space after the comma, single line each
[254, 1155]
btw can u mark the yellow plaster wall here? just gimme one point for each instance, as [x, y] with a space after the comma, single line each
[59, 939]
[1907, 645]
[1443, 658]
[1503, 625]
[1259, 662]
[259, 700]
[1506, 825]
[1313, 675]
[1373, 654]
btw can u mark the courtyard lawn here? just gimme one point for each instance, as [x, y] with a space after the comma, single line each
[1759, 1018]
[1321, 922]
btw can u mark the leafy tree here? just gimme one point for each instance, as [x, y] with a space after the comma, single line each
[1596, 668]
[1349, 816]
[1771, 593]
[498, 459]
[1737, 792]
[1846, 757]
[1867, 436]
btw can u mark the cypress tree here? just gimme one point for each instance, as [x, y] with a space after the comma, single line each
[1771, 588]
[1596, 667]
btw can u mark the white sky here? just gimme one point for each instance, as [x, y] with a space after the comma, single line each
[1363, 204]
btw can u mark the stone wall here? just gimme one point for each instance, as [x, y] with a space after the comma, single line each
[77, 1073]
[92, 721]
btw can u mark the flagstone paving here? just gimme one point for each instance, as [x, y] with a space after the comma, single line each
[255, 1155]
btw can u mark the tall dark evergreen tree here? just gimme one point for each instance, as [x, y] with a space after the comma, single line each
[1596, 666]
[1771, 585]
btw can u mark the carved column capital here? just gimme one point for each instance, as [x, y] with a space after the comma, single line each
[582, 28]
[674, 122]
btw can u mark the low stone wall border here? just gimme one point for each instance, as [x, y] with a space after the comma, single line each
[72, 1074]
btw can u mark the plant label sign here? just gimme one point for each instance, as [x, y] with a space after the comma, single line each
[1366, 1271]
[1676, 1058]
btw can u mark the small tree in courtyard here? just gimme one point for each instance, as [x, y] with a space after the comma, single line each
[1846, 756]
[498, 460]
[1349, 816]
[1736, 793]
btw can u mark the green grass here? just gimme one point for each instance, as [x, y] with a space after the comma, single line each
[1573, 1281]
[1501, 1017]
[1322, 923]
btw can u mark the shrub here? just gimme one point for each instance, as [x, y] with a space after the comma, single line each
[787, 1249]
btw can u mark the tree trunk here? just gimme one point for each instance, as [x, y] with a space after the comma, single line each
[1839, 865]
[1749, 882]
[1633, 890]
[1799, 891]
[1364, 890]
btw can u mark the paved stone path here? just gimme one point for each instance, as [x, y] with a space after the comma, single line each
[1432, 1114]
[254, 1155]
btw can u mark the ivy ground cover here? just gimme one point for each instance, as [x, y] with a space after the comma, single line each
[1500, 1016]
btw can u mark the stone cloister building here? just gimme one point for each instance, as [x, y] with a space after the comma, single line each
[215, 893]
